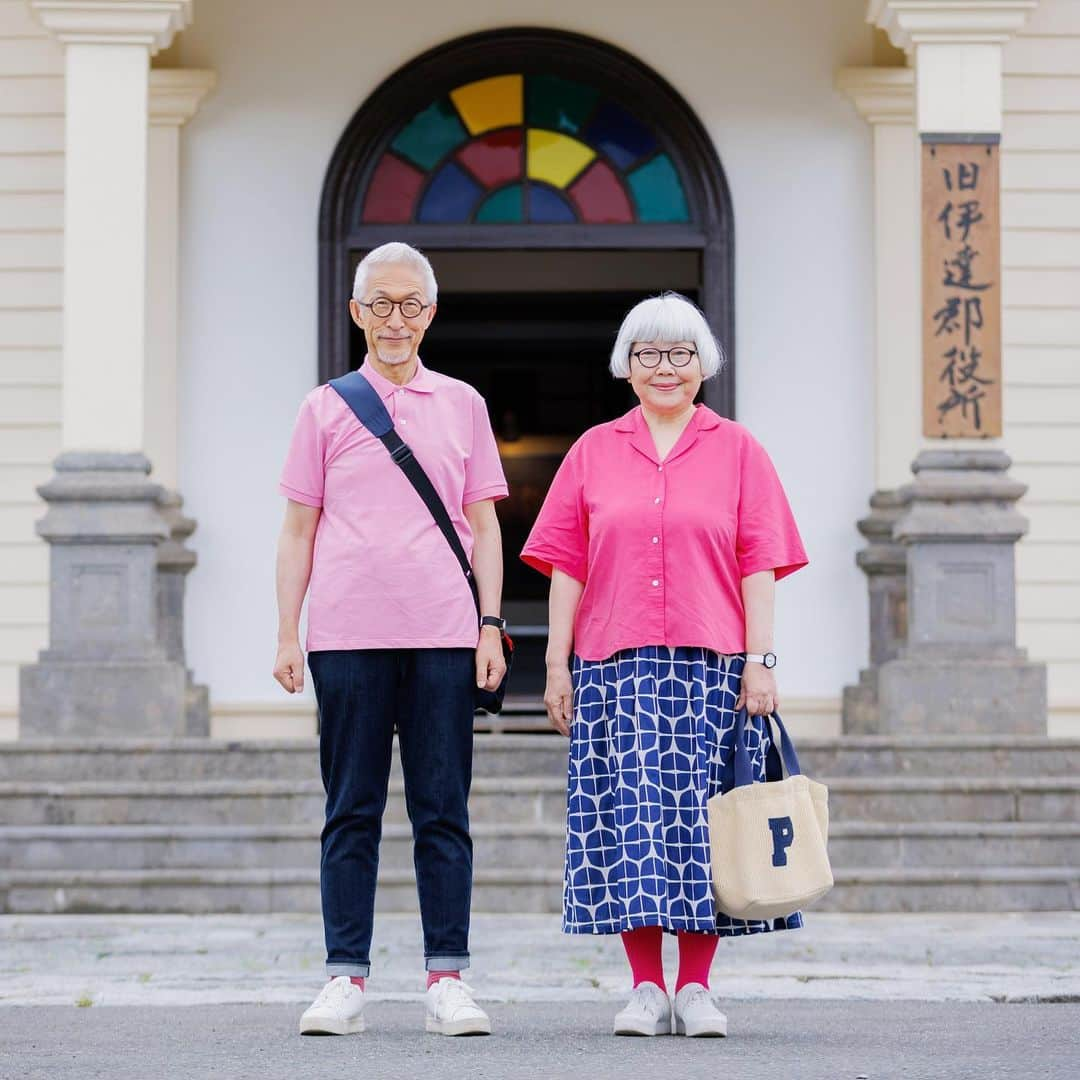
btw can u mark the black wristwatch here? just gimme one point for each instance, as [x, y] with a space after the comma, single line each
[494, 620]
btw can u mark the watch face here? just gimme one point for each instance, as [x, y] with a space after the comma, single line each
[770, 659]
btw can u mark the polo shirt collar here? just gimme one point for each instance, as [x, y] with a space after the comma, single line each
[633, 424]
[422, 381]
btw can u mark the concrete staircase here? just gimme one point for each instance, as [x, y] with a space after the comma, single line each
[918, 824]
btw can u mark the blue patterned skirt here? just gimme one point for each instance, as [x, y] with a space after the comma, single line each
[652, 731]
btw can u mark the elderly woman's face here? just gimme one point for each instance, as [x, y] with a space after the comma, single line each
[669, 387]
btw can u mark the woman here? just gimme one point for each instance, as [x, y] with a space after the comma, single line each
[663, 534]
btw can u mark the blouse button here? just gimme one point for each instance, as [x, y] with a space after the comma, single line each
[656, 581]
[659, 468]
[656, 539]
[657, 499]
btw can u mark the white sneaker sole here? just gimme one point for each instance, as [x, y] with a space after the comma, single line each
[329, 1026]
[702, 1029]
[477, 1025]
[642, 1026]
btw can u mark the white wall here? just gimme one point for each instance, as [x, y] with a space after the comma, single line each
[797, 158]
[31, 259]
[1040, 172]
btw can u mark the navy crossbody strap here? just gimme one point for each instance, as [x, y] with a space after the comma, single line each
[368, 408]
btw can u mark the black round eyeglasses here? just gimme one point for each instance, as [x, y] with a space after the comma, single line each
[650, 358]
[383, 306]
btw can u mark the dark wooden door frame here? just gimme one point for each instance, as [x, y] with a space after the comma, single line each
[531, 51]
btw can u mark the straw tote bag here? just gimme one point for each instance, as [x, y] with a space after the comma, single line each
[769, 840]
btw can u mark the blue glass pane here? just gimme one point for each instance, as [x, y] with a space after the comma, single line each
[658, 191]
[451, 196]
[619, 135]
[549, 207]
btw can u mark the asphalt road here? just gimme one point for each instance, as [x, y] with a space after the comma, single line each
[769, 1040]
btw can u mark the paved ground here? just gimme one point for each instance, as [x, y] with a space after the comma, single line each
[878, 996]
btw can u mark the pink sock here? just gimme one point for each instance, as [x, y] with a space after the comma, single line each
[696, 952]
[358, 980]
[645, 951]
[434, 976]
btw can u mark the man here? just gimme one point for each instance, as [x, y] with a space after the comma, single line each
[393, 641]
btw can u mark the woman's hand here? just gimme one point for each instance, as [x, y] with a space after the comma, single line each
[758, 691]
[559, 697]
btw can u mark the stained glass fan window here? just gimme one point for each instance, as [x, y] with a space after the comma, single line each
[524, 148]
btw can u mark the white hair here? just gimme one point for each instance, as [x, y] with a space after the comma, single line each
[667, 317]
[395, 252]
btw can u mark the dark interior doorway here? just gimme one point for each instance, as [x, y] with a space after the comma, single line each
[533, 331]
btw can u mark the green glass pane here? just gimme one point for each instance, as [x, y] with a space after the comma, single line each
[505, 206]
[430, 135]
[557, 104]
[658, 192]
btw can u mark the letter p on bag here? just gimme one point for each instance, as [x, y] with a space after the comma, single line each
[783, 834]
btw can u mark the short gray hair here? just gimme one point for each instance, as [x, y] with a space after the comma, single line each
[667, 317]
[396, 252]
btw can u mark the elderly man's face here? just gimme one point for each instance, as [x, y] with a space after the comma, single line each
[395, 338]
[667, 387]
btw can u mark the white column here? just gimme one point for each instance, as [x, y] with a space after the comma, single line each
[885, 97]
[175, 95]
[954, 48]
[108, 48]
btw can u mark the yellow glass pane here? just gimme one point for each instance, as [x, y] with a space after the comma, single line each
[491, 103]
[556, 159]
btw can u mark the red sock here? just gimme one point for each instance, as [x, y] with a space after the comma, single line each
[645, 951]
[434, 976]
[358, 980]
[696, 952]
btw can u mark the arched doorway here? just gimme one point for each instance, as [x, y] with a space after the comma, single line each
[553, 180]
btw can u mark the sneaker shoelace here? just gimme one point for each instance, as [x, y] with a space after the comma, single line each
[697, 997]
[335, 993]
[455, 993]
[646, 999]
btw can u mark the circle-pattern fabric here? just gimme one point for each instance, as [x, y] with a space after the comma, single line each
[652, 734]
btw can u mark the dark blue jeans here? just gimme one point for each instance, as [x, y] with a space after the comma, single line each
[427, 695]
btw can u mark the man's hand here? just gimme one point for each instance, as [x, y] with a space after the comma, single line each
[559, 697]
[289, 666]
[490, 663]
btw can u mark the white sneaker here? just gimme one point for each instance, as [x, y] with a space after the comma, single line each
[696, 1014]
[338, 1010]
[648, 1012]
[452, 1011]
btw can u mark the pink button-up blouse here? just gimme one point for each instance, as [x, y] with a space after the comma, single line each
[662, 546]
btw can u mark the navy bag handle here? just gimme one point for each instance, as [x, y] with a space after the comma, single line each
[744, 773]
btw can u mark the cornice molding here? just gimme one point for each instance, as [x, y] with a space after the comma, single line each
[973, 22]
[177, 93]
[882, 95]
[150, 23]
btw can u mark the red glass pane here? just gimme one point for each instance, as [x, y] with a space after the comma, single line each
[392, 192]
[600, 198]
[495, 158]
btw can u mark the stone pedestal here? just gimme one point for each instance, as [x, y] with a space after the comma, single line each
[106, 671]
[884, 561]
[174, 563]
[960, 669]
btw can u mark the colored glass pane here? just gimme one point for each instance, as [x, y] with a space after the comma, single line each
[621, 136]
[494, 158]
[391, 194]
[502, 207]
[490, 103]
[600, 198]
[558, 104]
[430, 135]
[556, 159]
[450, 197]
[549, 207]
[658, 192]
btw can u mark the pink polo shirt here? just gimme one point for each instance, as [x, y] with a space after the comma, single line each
[662, 547]
[383, 575]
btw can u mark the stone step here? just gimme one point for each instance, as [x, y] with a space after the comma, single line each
[505, 846]
[521, 755]
[512, 800]
[261, 890]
